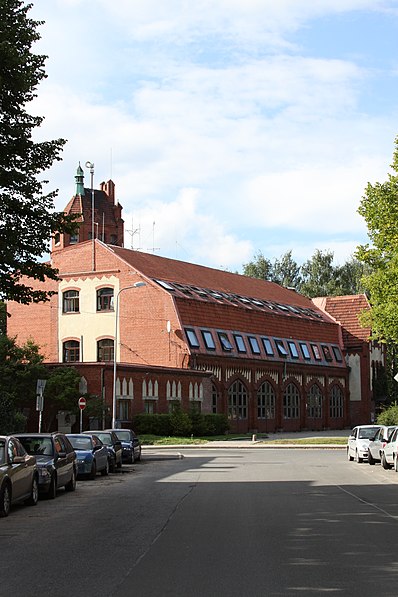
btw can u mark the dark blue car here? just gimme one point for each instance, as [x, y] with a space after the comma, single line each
[92, 455]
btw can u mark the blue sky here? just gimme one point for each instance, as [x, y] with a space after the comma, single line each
[228, 126]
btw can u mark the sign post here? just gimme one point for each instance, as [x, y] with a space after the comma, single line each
[41, 384]
[82, 405]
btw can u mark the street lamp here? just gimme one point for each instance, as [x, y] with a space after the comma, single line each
[136, 285]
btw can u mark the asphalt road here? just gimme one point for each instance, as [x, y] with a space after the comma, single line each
[213, 523]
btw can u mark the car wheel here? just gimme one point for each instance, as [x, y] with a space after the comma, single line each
[358, 459]
[93, 472]
[112, 466]
[384, 462]
[5, 500]
[132, 458]
[105, 471]
[139, 456]
[371, 460]
[71, 486]
[349, 457]
[396, 463]
[119, 464]
[34, 494]
[52, 490]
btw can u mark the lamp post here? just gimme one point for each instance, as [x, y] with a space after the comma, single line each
[136, 285]
[90, 166]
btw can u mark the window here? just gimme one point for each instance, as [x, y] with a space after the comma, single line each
[304, 350]
[336, 403]
[124, 410]
[293, 349]
[105, 350]
[267, 346]
[337, 354]
[326, 352]
[237, 401]
[149, 407]
[266, 401]
[74, 239]
[214, 398]
[281, 348]
[113, 240]
[105, 299]
[71, 351]
[57, 238]
[291, 402]
[316, 352]
[240, 343]
[225, 343]
[208, 340]
[70, 301]
[254, 345]
[314, 403]
[192, 338]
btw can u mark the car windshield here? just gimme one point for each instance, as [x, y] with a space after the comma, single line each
[80, 443]
[367, 432]
[124, 436]
[38, 446]
[2, 451]
[105, 438]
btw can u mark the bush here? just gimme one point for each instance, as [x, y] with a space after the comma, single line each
[152, 424]
[389, 416]
[181, 424]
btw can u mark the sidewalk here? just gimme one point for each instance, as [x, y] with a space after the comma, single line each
[263, 442]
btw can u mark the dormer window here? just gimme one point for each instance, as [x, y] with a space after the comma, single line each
[224, 340]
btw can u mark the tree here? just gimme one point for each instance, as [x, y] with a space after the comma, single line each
[286, 272]
[61, 393]
[379, 208]
[351, 276]
[260, 267]
[27, 217]
[319, 275]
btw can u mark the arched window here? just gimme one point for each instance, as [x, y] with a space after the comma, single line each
[214, 398]
[71, 351]
[291, 402]
[314, 403]
[266, 401]
[105, 299]
[336, 403]
[237, 401]
[70, 301]
[105, 350]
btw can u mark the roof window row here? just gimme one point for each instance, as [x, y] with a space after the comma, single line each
[249, 302]
[271, 347]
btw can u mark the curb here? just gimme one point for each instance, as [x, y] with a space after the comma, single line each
[248, 446]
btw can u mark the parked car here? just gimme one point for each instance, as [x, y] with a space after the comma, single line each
[377, 443]
[131, 445]
[358, 442]
[19, 477]
[389, 454]
[92, 455]
[56, 460]
[114, 446]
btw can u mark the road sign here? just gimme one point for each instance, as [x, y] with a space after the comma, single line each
[40, 385]
[82, 403]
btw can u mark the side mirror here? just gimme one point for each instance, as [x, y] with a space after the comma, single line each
[61, 454]
[17, 460]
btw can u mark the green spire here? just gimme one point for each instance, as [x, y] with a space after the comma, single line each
[79, 180]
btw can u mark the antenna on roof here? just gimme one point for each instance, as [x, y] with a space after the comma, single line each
[134, 231]
[153, 240]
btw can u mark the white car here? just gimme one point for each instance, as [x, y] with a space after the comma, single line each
[377, 444]
[389, 454]
[358, 442]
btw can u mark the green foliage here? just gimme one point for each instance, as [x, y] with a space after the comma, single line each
[152, 424]
[180, 421]
[200, 425]
[61, 393]
[260, 267]
[11, 419]
[389, 416]
[318, 276]
[379, 208]
[27, 217]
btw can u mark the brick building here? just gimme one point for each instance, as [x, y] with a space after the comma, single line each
[264, 355]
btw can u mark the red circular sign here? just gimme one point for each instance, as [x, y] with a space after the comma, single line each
[82, 403]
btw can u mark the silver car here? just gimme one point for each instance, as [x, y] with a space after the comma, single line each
[358, 442]
[19, 477]
[376, 444]
[389, 454]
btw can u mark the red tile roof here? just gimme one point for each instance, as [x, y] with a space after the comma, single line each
[172, 270]
[345, 310]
